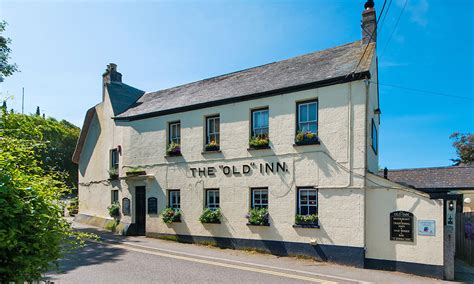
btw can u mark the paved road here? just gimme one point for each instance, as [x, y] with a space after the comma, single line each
[143, 260]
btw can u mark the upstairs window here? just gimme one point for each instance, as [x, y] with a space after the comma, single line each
[212, 199]
[174, 131]
[259, 198]
[307, 113]
[114, 159]
[115, 197]
[174, 200]
[375, 137]
[307, 201]
[213, 130]
[260, 123]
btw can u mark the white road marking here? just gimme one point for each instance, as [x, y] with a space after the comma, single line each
[146, 249]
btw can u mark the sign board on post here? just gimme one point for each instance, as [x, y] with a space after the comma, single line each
[451, 213]
[401, 226]
[426, 227]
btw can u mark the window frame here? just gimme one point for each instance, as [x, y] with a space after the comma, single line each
[170, 193]
[114, 159]
[208, 203]
[172, 139]
[298, 199]
[252, 197]
[218, 133]
[252, 119]
[316, 121]
[375, 146]
[114, 193]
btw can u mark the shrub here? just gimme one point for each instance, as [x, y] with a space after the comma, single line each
[212, 146]
[173, 149]
[113, 174]
[73, 207]
[114, 210]
[306, 137]
[170, 215]
[259, 142]
[210, 216]
[258, 216]
[306, 219]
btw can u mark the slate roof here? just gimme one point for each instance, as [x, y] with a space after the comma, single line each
[122, 96]
[439, 178]
[327, 67]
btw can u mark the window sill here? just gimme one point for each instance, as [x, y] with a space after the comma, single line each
[308, 226]
[211, 152]
[306, 143]
[205, 223]
[173, 155]
[259, 225]
[258, 148]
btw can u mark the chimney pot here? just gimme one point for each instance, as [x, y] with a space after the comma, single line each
[111, 74]
[369, 23]
[385, 173]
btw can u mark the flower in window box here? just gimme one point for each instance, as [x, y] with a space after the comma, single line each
[170, 215]
[211, 216]
[259, 142]
[212, 146]
[174, 149]
[258, 216]
[311, 219]
[306, 137]
[113, 174]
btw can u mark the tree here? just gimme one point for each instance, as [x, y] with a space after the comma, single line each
[33, 233]
[464, 144]
[4, 105]
[6, 68]
[59, 138]
[38, 111]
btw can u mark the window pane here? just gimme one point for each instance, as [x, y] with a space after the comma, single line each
[312, 210]
[303, 113]
[312, 111]
[312, 126]
[304, 210]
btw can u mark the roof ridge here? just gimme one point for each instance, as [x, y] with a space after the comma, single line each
[428, 168]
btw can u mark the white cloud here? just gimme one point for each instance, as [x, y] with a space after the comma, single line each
[417, 9]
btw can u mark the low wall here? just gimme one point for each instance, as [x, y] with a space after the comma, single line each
[122, 228]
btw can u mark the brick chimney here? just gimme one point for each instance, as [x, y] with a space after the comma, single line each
[110, 76]
[369, 23]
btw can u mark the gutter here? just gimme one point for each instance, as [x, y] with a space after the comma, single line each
[313, 85]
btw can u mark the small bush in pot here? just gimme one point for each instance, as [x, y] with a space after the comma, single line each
[211, 216]
[311, 219]
[113, 174]
[114, 210]
[170, 215]
[258, 216]
[73, 207]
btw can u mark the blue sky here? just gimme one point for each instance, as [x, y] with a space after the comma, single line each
[62, 48]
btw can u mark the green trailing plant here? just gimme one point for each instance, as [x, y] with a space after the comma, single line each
[173, 149]
[212, 146]
[306, 137]
[306, 219]
[259, 142]
[113, 174]
[73, 207]
[170, 215]
[114, 210]
[258, 216]
[135, 172]
[210, 216]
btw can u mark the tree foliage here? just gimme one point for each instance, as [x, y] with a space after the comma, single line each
[6, 68]
[33, 233]
[59, 138]
[464, 144]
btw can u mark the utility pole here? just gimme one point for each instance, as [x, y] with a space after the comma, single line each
[22, 100]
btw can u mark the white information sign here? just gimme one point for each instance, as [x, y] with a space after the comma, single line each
[426, 227]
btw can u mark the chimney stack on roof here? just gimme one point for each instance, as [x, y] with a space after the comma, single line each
[111, 74]
[385, 173]
[369, 23]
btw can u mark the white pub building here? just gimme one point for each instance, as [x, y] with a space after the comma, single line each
[281, 157]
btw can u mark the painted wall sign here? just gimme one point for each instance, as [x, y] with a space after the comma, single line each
[426, 227]
[152, 205]
[401, 226]
[125, 206]
[246, 169]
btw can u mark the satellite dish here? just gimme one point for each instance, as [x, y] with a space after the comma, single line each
[467, 200]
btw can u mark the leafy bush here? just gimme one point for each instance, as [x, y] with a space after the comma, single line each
[114, 210]
[306, 137]
[306, 219]
[33, 233]
[73, 207]
[212, 146]
[113, 174]
[258, 216]
[259, 142]
[173, 149]
[210, 216]
[170, 215]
